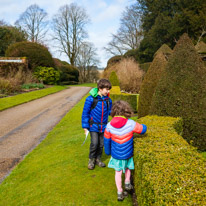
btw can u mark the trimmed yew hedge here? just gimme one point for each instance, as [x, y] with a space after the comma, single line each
[181, 92]
[115, 90]
[150, 82]
[168, 171]
[114, 79]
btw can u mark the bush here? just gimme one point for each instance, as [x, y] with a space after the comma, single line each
[47, 74]
[149, 84]
[145, 66]
[37, 54]
[114, 79]
[32, 85]
[115, 90]
[129, 74]
[68, 74]
[113, 60]
[181, 92]
[168, 171]
[9, 86]
[201, 47]
[132, 53]
[130, 98]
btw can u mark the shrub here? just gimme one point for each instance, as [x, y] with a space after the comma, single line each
[201, 47]
[9, 86]
[32, 85]
[129, 74]
[113, 60]
[115, 90]
[145, 66]
[68, 74]
[114, 79]
[168, 171]
[47, 74]
[132, 53]
[37, 54]
[181, 92]
[130, 98]
[149, 84]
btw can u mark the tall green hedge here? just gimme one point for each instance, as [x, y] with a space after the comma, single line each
[149, 83]
[37, 54]
[181, 92]
[145, 66]
[168, 171]
[114, 79]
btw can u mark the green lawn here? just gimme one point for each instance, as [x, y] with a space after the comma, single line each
[55, 173]
[12, 101]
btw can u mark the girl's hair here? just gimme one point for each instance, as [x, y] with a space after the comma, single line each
[104, 83]
[121, 108]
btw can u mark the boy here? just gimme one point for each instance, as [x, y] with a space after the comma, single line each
[95, 114]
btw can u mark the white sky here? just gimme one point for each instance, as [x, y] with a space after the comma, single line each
[104, 15]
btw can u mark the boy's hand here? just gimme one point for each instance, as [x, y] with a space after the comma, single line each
[85, 131]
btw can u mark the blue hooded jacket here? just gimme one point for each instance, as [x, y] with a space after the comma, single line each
[95, 120]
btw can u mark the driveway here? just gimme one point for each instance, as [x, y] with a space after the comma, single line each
[23, 127]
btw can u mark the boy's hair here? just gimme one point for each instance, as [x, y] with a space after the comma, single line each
[104, 83]
[121, 108]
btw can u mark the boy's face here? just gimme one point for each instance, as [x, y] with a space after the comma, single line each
[104, 91]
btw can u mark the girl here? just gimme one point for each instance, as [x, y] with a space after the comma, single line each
[118, 141]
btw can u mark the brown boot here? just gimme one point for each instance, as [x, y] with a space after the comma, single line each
[91, 164]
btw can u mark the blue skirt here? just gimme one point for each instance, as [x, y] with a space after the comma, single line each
[119, 165]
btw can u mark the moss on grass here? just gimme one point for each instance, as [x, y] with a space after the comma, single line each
[55, 173]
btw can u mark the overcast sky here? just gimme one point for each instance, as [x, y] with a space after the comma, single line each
[104, 14]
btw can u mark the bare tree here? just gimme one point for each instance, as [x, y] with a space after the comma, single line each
[129, 34]
[3, 23]
[202, 34]
[34, 22]
[87, 61]
[69, 29]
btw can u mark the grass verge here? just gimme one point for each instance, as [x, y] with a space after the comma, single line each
[9, 102]
[55, 173]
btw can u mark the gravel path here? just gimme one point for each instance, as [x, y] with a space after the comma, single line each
[23, 127]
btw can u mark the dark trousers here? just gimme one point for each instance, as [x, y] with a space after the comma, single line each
[96, 146]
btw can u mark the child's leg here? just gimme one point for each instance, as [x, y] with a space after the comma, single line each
[127, 176]
[118, 181]
[93, 145]
[100, 145]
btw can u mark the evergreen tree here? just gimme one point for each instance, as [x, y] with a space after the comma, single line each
[165, 21]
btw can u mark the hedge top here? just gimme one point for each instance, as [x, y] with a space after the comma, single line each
[37, 54]
[201, 47]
